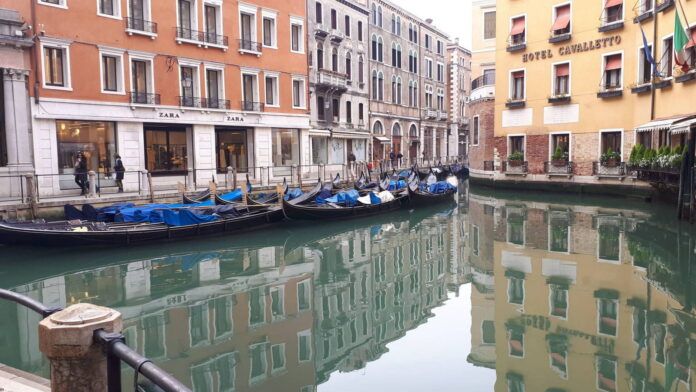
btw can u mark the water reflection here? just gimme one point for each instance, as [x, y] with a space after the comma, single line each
[566, 294]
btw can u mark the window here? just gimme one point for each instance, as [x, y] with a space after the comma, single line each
[429, 68]
[186, 20]
[374, 48]
[379, 16]
[231, 149]
[475, 130]
[55, 3]
[489, 25]
[561, 81]
[334, 19]
[298, 93]
[428, 98]
[349, 112]
[247, 29]
[517, 85]
[607, 313]
[296, 36]
[336, 110]
[644, 66]
[109, 8]
[612, 72]
[321, 108]
[667, 59]
[319, 13]
[250, 92]
[142, 81]
[94, 139]
[189, 86]
[561, 141]
[278, 357]
[440, 72]
[377, 128]
[613, 11]
[517, 144]
[347, 25]
[269, 30]
[320, 56]
[361, 70]
[334, 59]
[166, 150]
[646, 6]
[139, 18]
[361, 115]
[440, 47]
[272, 90]
[56, 67]
[428, 42]
[286, 148]
[112, 72]
[360, 31]
[561, 24]
[517, 31]
[441, 100]
[303, 295]
[349, 67]
[691, 49]
[320, 150]
[380, 49]
[214, 87]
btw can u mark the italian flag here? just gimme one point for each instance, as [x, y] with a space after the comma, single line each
[680, 42]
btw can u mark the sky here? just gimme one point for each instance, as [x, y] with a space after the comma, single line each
[451, 16]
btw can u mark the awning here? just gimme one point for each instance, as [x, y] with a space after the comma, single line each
[383, 139]
[613, 62]
[613, 3]
[562, 18]
[517, 26]
[682, 127]
[350, 135]
[658, 125]
[319, 132]
[563, 69]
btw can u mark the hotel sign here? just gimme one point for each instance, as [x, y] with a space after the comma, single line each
[571, 49]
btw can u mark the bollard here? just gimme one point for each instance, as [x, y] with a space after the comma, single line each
[67, 339]
[299, 176]
[149, 186]
[293, 170]
[234, 178]
[92, 179]
[31, 196]
[244, 194]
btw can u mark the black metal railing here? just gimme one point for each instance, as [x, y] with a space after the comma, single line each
[483, 80]
[201, 36]
[114, 345]
[141, 25]
[250, 106]
[189, 102]
[144, 98]
[215, 39]
[211, 103]
[249, 45]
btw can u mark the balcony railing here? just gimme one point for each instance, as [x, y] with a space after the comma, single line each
[250, 106]
[189, 102]
[483, 80]
[249, 46]
[201, 36]
[144, 98]
[442, 115]
[605, 170]
[331, 78]
[610, 91]
[561, 167]
[215, 103]
[141, 25]
[215, 39]
[430, 113]
[515, 167]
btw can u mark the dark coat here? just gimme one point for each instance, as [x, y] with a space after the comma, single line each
[119, 169]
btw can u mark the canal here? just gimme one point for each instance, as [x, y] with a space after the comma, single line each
[505, 292]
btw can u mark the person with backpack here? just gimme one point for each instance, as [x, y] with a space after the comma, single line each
[120, 171]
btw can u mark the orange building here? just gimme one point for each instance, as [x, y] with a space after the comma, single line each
[181, 90]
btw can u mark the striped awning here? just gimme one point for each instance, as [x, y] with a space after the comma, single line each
[682, 126]
[350, 135]
[658, 125]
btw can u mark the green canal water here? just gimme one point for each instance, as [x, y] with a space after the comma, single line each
[505, 292]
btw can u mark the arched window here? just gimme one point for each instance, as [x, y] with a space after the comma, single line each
[398, 26]
[394, 94]
[398, 56]
[334, 60]
[413, 132]
[399, 88]
[374, 47]
[375, 87]
[361, 71]
[410, 93]
[380, 84]
[373, 13]
[393, 54]
[320, 56]
[349, 67]
[380, 49]
[396, 129]
[377, 128]
[393, 24]
[379, 16]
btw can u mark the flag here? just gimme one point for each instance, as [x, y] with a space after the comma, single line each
[647, 52]
[680, 42]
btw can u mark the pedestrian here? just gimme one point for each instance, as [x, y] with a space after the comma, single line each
[392, 159]
[120, 170]
[351, 165]
[399, 158]
[81, 173]
[425, 157]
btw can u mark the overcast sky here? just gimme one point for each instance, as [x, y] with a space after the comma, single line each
[451, 16]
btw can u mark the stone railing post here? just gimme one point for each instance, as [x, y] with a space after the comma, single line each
[78, 364]
[92, 178]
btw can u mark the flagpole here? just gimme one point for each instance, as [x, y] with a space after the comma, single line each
[652, 79]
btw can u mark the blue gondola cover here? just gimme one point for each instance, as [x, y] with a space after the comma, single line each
[185, 217]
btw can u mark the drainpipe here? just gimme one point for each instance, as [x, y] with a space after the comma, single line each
[654, 55]
[36, 51]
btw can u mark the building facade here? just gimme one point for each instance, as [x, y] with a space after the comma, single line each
[338, 47]
[180, 92]
[482, 94]
[433, 95]
[458, 87]
[578, 90]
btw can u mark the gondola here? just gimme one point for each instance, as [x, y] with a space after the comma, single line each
[311, 195]
[418, 198]
[266, 199]
[336, 182]
[199, 197]
[332, 211]
[363, 183]
[80, 233]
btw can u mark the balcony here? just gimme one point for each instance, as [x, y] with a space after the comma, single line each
[561, 168]
[610, 91]
[320, 31]
[663, 5]
[250, 47]
[442, 115]
[515, 103]
[201, 38]
[687, 77]
[483, 87]
[430, 113]
[559, 37]
[141, 98]
[250, 106]
[641, 87]
[141, 26]
[643, 16]
[211, 103]
[610, 25]
[337, 36]
[559, 98]
[189, 102]
[327, 79]
[516, 46]
[515, 168]
[617, 170]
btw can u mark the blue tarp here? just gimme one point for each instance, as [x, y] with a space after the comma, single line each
[293, 193]
[374, 199]
[348, 198]
[440, 187]
[396, 185]
[235, 195]
[142, 214]
[405, 173]
[185, 217]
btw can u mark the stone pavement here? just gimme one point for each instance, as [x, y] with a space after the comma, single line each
[13, 380]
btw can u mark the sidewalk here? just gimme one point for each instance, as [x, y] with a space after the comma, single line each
[13, 380]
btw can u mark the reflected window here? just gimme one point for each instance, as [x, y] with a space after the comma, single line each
[223, 316]
[659, 335]
[606, 374]
[327, 348]
[278, 357]
[303, 295]
[231, 149]
[166, 149]
[640, 326]
[257, 307]
[201, 378]
[399, 321]
[226, 366]
[153, 327]
[277, 302]
[515, 290]
[304, 342]
[558, 235]
[515, 383]
[609, 247]
[559, 300]
[515, 230]
[516, 342]
[607, 310]
[353, 331]
[259, 362]
[198, 322]
[488, 332]
[475, 240]
[95, 140]
[558, 354]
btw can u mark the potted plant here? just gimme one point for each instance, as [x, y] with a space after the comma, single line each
[516, 159]
[559, 158]
[610, 158]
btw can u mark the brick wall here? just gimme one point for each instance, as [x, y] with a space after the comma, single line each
[485, 109]
[537, 148]
[585, 150]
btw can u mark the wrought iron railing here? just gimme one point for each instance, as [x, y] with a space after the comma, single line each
[144, 98]
[250, 106]
[604, 169]
[483, 80]
[201, 36]
[559, 167]
[249, 45]
[141, 25]
[189, 102]
[212, 103]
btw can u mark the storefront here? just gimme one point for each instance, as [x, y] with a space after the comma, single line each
[231, 148]
[95, 140]
[166, 149]
[286, 150]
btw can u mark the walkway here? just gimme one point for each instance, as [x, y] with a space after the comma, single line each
[13, 380]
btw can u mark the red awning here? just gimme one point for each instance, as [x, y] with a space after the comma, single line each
[518, 74]
[562, 70]
[613, 62]
[562, 18]
[692, 41]
[517, 26]
[613, 3]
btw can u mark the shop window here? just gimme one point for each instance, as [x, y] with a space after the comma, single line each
[489, 25]
[613, 11]
[286, 150]
[93, 139]
[517, 31]
[607, 314]
[320, 150]
[517, 85]
[166, 150]
[612, 72]
[558, 300]
[488, 332]
[561, 24]
[606, 374]
[561, 81]
[231, 149]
